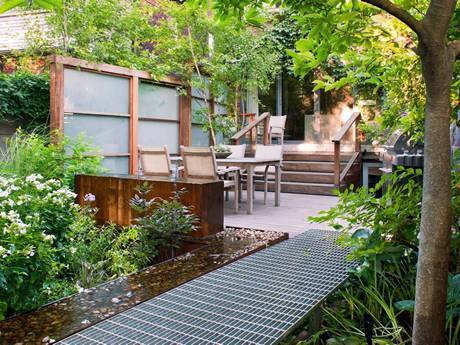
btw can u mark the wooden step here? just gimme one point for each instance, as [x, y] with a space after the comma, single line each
[307, 177]
[312, 166]
[301, 188]
[315, 156]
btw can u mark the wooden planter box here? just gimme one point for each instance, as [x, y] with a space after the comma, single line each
[113, 193]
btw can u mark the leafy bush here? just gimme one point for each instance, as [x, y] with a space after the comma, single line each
[34, 217]
[29, 153]
[25, 98]
[383, 236]
[104, 252]
[162, 223]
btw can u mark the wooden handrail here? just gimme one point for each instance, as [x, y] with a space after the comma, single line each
[341, 133]
[338, 175]
[265, 117]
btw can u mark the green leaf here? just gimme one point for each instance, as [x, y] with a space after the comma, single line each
[406, 305]
[304, 44]
[8, 5]
[361, 233]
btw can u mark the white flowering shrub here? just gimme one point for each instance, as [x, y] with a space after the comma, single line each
[35, 217]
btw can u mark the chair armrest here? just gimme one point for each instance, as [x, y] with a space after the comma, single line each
[223, 171]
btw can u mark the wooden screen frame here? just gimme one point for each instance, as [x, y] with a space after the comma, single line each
[59, 63]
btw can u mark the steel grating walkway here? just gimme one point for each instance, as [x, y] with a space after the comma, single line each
[255, 300]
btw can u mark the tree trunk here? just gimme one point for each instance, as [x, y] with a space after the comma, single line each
[434, 251]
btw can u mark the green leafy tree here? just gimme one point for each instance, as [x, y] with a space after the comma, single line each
[7, 5]
[435, 35]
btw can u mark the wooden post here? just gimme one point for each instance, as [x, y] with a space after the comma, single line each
[337, 163]
[267, 131]
[57, 96]
[133, 123]
[357, 141]
[185, 118]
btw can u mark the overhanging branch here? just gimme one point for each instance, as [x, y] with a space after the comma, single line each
[398, 13]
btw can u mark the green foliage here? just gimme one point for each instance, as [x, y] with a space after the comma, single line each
[35, 214]
[382, 232]
[168, 38]
[7, 5]
[162, 223]
[28, 153]
[100, 253]
[25, 99]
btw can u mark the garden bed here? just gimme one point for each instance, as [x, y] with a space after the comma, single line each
[66, 316]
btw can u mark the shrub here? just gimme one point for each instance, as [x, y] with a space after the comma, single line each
[104, 252]
[25, 98]
[382, 233]
[29, 153]
[35, 215]
[163, 223]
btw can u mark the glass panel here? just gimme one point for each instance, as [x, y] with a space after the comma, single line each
[109, 133]
[220, 108]
[93, 92]
[197, 92]
[116, 165]
[198, 105]
[199, 138]
[158, 133]
[158, 101]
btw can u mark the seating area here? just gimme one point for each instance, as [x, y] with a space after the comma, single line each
[202, 163]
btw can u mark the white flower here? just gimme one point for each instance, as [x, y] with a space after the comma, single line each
[34, 177]
[73, 250]
[4, 193]
[32, 251]
[48, 238]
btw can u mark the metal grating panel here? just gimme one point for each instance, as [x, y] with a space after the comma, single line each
[255, 300]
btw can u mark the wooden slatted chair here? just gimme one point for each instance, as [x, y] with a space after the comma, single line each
[200, 163]
[155, 161]
[238, 151]
[277, 126]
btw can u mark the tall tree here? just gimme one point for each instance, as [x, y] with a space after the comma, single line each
[438, 48]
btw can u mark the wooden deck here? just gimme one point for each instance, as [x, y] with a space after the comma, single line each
[290, 217]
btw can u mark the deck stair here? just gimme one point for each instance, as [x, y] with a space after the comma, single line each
[310, 173]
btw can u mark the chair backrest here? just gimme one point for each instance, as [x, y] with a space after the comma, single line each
[155, 161]
[278, 121]
[269, 152]
[238, 151]
[199, 162]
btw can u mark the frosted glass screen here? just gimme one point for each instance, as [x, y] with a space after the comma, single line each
[158, 101]
[197, 106]
[89, 92]
[159, 133]
[116, 165]
[108, 133]
[199, 138]
[220, 109]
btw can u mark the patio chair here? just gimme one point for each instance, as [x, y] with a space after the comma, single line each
[155, 161]
[200, 163]
[277, 126]
[238, 151]
[270, 152]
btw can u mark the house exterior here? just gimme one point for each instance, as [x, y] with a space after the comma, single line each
[14, 28]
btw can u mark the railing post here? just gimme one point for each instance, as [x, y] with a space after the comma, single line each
[337, 163]
[357, 141]
[267, 130]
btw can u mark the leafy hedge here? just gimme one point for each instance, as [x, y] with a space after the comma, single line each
[24, 97]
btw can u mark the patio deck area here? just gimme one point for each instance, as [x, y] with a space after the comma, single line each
[291, 216]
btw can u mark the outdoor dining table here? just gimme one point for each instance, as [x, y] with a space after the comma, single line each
[249, 164]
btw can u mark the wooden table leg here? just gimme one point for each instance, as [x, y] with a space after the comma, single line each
[277, 184]
[249, 188]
